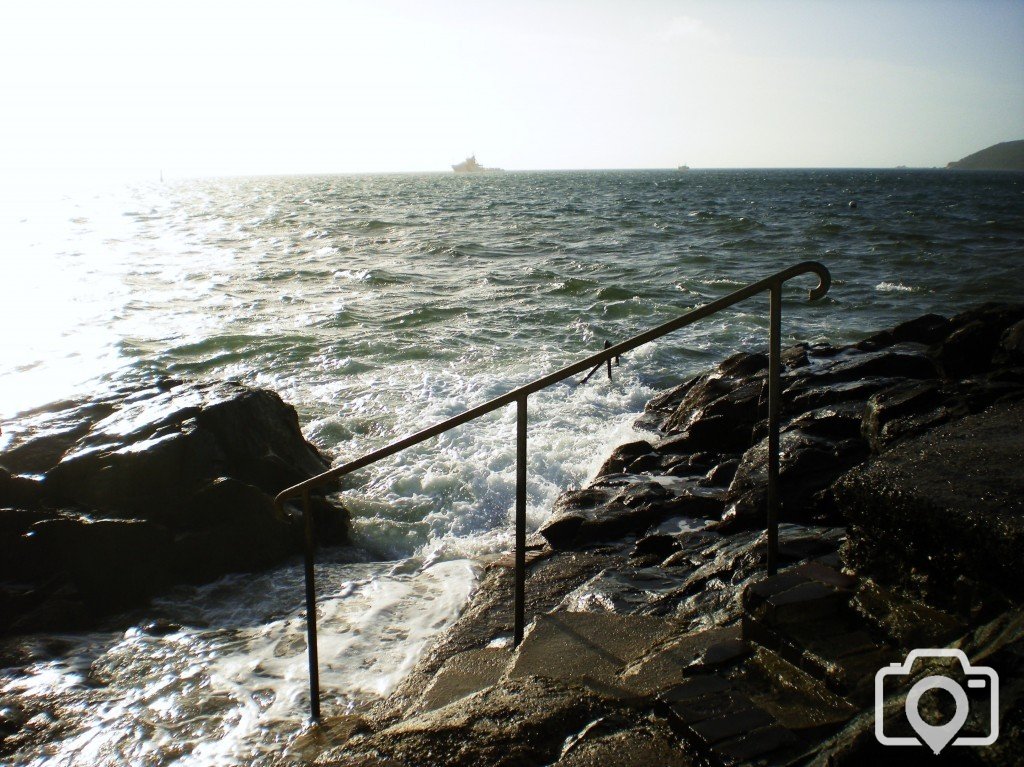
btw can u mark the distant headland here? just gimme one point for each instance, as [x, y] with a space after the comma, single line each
[1009, 155]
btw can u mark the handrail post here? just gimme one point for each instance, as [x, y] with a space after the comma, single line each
[607, 345]
[774, 410]
[312, 655]
[520, 569]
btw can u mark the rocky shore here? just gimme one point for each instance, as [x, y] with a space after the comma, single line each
[656, 636]
[107, 502]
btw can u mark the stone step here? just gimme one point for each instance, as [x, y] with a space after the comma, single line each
[763, 711]
[805, 616]
[589, 649]
[680, 657]
[462, 675]
[846, 661]
[726, 724]
[798, 701]
[799, 594]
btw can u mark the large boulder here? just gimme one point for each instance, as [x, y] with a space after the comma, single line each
[153, 453]
[150, 487]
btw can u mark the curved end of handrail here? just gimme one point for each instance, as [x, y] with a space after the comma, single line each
[279, 505]
[824, 279]
[808, 267]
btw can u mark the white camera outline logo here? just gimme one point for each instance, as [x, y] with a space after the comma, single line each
[894, 669]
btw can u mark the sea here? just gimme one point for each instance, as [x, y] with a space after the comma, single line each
[379, 305]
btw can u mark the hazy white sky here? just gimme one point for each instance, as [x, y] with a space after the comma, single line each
[208, 88]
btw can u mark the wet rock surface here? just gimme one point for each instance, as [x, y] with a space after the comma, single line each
[655, 635]
[515, 722]
[942, 515]
[104, 503]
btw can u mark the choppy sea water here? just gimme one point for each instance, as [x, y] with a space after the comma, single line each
[381, 304]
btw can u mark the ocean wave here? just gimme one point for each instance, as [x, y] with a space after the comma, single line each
[895, 287]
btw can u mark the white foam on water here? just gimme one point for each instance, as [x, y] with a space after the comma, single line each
[456, 492]
[895, 287]
[236, 692]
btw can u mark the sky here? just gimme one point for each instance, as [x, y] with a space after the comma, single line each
[214, 88]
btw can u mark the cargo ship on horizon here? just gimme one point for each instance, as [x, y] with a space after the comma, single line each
[470, 165]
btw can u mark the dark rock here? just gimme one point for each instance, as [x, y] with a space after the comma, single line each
[1011, 345]
[658, 545]
[808, 466]
[744, 364]
[806, 393]
[1000, 316]
[719, 433]
[41, 436]
[893, 412]
[722, 474]
[111, 562]
[623, 456]
[614, 743]
[17, 563]
[627, 591]
[19, 492]
[161, 485]
[905, 622]
[876, 341]
[662, 406]
[795, 357]
[833, 422]
[975, 338]
[942, 507]
[898, 361]
[150, 456]
[927, 329]
[718, 410]
[160, 627]
[604, 513]
[968, 349]
[714, 567]
[230, 526]
[647, 464]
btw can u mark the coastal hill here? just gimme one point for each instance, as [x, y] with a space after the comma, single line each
[1008, 155]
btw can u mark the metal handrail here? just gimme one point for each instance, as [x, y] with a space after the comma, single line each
[772, 284]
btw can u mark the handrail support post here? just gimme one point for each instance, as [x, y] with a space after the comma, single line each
[774, 410]
[520, 565]
[312, 655]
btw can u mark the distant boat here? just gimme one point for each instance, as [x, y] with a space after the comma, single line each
[683, 167]
[470, 165]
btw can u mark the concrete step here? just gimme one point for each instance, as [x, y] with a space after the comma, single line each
[462, 675]
[621, 656]
[805, 616]
[683, 656]
[589, 649]
[763, 710]
[725, 723]
[799, 594]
